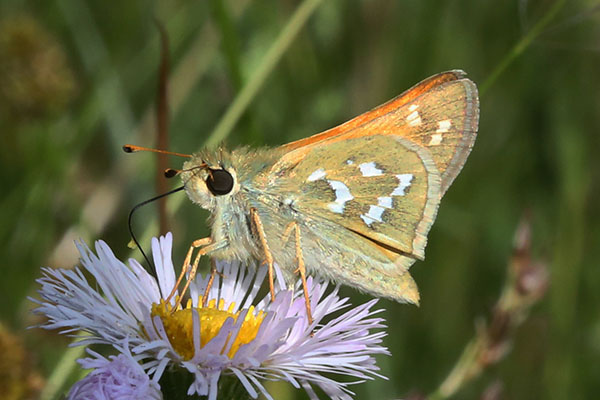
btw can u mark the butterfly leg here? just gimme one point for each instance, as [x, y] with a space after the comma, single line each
[302, 270]
[203, 251]
[213, 273]
[268, 256]
[286, 233]
[187, 263]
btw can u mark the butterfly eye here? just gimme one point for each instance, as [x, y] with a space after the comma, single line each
[219, 182]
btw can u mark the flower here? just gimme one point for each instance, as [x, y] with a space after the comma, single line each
[120, 378]
[236, 334]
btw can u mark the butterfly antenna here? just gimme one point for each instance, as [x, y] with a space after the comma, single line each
[170, 172]
[131, 148]
[130, 218]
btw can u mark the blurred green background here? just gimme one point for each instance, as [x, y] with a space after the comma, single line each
[78, 80]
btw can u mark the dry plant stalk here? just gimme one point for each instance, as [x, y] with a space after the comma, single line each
[526, 284]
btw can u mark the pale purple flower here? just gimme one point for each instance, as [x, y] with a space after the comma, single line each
[238, 334]
[120, 378]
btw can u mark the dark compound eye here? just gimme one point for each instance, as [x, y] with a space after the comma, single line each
[219, 182]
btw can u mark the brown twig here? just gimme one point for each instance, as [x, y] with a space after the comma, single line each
[526, 284]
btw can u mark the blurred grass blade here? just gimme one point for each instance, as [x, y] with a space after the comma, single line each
[62, 372]
[231, 45]
[276, 51]
[111, 95]
[522, 45]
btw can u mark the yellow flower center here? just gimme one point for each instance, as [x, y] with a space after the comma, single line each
[179, 325]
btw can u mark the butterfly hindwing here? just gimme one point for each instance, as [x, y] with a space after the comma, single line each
[383, 188]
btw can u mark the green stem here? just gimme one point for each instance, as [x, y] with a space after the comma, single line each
[522, 45]
[268, 63]
[61, 372]
[174, 385]
[464, 370]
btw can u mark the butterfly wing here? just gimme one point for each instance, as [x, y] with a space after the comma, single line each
[384, 189]
[439, 114]
[366, 193]
[382, 174]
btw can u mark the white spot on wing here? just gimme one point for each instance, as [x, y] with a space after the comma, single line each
[436, 139]
[342, 195]
[413, 107]
[366, 219]
[374, 215]
[349, 162]
[404, 181]
[369, 169]
[316, 175]
[375, 212]
[444, 126]
[414, 118]
[385, 202]
[336, 208]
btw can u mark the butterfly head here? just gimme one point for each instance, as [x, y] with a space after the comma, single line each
[209, 180]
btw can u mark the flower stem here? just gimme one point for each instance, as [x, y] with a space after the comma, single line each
[174, 384]
[464, 370]
[230, 388]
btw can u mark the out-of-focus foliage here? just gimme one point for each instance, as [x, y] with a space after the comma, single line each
[78, 80]
[17, 379]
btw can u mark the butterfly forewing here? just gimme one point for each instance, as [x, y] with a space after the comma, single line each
[443, 120]
[439, 114]
[383, 188]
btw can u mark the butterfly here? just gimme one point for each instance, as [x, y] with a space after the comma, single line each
[353, 204]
